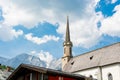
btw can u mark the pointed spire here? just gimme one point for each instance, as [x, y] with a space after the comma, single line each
[67, 39]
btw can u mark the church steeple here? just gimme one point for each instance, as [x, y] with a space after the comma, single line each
[67, 36]
[67, 39]
[67, 46]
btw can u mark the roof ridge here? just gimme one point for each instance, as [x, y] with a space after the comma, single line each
[97, 49]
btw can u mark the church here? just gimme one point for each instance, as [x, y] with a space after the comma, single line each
[99, 64]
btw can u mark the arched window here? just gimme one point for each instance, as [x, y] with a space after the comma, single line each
[91, 77]
[110, 77]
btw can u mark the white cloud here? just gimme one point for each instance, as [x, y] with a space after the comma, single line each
[84, 31]
[110, 1]
[33, 52]
[18, 12]
[8, 33]
[83, 19]
[113, 1]
[13, 15]
[42, 40]
[44, 56]
[85, 36]
[111, 25]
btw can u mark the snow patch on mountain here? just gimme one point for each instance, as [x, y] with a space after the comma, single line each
[25, 58]
[42, 60]
[3, 60]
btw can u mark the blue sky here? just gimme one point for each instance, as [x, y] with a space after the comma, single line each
[38, 26]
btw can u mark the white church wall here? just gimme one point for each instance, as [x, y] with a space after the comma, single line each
[89, 72]
[113, 69]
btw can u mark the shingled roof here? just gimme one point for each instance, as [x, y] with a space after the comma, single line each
[100, 57]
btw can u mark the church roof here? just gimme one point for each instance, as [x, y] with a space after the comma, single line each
[100, 57]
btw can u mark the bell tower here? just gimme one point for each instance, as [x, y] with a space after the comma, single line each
[67, 44]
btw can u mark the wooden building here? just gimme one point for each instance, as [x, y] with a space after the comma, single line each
[30, 72]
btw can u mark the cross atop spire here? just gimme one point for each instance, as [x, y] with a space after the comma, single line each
[67, 38]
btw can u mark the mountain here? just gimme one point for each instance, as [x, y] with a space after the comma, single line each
[30, 59]
[25, 58]
[3, 60]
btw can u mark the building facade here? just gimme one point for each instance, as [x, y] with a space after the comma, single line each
[30, 72]
[100, 64]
